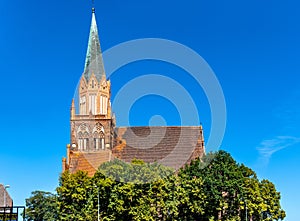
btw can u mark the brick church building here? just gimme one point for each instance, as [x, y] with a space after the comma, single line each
[95, 139]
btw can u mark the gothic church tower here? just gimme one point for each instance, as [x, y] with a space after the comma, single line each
[95, 139]
[92, 125]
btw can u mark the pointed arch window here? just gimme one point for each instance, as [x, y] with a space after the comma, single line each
[98, 141]
[92, 103]
[83, 138]
[103, 104]
[82, 103]
[80, 141]
[85, 141]
[99, 137]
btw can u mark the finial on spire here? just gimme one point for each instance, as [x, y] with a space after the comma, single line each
[93, 6]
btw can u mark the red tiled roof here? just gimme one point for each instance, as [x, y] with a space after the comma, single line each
[88, 161]
[171, 146]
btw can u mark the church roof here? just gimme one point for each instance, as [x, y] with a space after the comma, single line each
[172, 146]
[93, 61]
[88, 161]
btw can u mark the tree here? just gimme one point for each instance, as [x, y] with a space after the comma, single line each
[231, 188]
[215, 187]
[137, 171]
[75, 197]
[271, 209]
[41, 206]
[192, 198]
[139, 191]
[221, 181]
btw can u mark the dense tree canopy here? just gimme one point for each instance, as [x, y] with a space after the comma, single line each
[233, 190]
[41, 206]
[215, 187]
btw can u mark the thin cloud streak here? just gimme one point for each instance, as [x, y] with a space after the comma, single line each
[268, 147]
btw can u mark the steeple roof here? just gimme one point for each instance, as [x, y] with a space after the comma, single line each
[93, 60]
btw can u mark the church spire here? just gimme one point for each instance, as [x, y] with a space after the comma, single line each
[93, 61]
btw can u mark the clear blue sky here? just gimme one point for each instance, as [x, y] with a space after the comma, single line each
[252, 46]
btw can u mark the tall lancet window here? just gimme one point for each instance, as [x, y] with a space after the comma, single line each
[86, 141]
[80, 141]
[92, 103]
[98, 134]
[102, 143]
[82, 103]
[98, 141]
[83, 137]
[83, 141]
[103, 105]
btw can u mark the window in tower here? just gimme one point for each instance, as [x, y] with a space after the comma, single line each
[102, 143]
[93, 84]
[96, 140]
[98, 137]
[80, 144]
[85, 144]
[82, 102]
[96, 143]
[103, 105]
[92, 103]
[80, 141]
[83, 135]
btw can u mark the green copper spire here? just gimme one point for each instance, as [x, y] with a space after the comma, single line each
[93, 60]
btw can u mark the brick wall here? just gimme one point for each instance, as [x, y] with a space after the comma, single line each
[3, 191]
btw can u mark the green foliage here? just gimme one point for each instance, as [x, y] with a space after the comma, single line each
[215, 187]
[136, 172]
[221, 183]
[271, 202]
[41, 206]
[75, 194]
[141, 192]
[231, 189]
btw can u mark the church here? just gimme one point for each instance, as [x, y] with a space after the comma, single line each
[95, 138]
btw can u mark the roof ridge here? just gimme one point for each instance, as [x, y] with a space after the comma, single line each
[174, 126]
